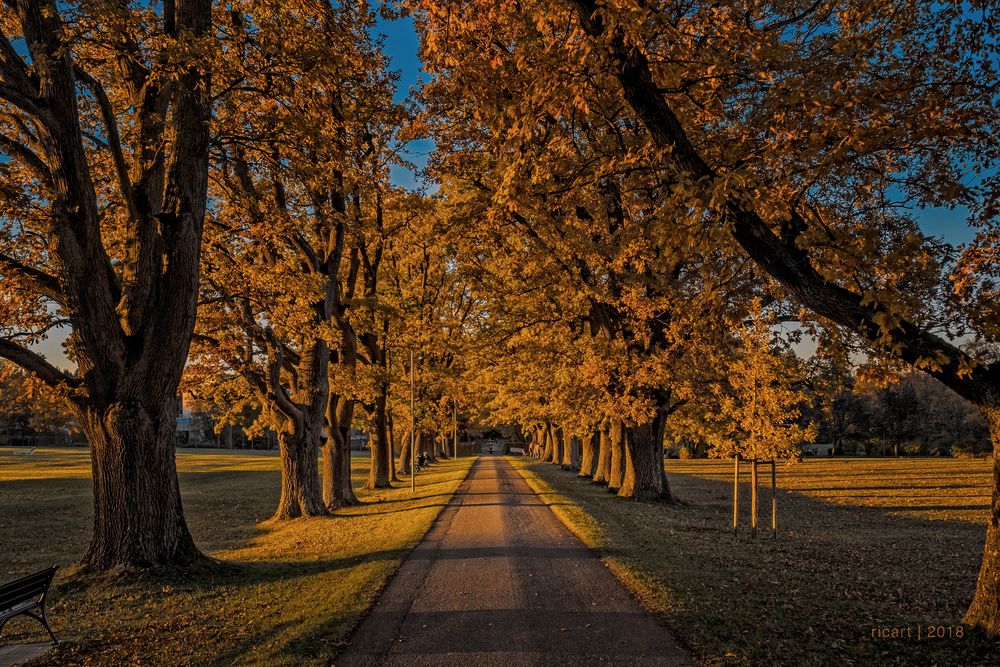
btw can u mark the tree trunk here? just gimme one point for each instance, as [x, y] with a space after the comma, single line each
[442, 445]
[301, 493]
[574, 445]
[378, 471]
[753, 499]
[338, 490]
[138, 518]
[588, 457]
[645, 478]
[404, 453]
[568, 447]
[545, 440]
[425, 444]
[391, 449]
[616, 471]
[984, 612]
[602, 459]
[555, 435]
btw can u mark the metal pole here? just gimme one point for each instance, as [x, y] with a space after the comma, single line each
[454, 424]
[413, 426]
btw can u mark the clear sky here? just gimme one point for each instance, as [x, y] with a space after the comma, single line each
[401, 44]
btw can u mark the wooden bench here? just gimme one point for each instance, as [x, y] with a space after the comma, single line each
[26, 597]
[520, 451]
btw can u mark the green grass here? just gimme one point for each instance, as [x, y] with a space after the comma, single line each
[295, 590]
[862, 543]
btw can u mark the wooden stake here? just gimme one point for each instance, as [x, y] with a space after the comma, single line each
[753, 499]
[774, 502]
[736, 493]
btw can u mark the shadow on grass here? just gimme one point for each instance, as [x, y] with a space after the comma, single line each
[810, 597]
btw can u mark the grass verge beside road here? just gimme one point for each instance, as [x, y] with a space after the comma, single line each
[863, 544]
[292, 595]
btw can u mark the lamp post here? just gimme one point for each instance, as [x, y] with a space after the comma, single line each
[454, 425]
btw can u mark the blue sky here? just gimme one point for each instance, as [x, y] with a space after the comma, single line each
[401, 44]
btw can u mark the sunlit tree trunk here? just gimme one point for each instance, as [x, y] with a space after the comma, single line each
[984, 612]
[616, 471]
[404, 453]
[602, 459]
[391, 449]
[570, 446]
[338, 489]
[588, 458]
[301, 494]
[545, 437]
[138, 519]
[556, 436]
[644, 477]
[378, 471]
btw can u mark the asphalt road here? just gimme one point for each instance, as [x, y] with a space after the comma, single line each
[498, 580]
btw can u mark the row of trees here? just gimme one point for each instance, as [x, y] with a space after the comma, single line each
[630, 196]
[230, 162]
[642, 174]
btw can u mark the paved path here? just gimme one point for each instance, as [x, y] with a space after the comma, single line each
[18, 654]
[498, 580]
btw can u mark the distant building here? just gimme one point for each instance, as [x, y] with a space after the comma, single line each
[817, 449]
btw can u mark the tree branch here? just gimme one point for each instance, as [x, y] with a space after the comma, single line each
[44, 283]
[35, 363]
[16, 149]
[113, 137]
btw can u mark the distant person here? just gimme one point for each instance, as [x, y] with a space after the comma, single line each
[422, 460]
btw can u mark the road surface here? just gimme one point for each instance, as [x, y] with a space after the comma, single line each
[498, 580]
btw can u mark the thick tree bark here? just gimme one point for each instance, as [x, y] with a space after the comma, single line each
[602, 459]
[138, 518]
[645, 478]
[588, 458]
[984, 612]
[381, 452]
[616, 471]
[301, 493]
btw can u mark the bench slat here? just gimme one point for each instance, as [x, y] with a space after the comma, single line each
[26, 588]
[17, 609]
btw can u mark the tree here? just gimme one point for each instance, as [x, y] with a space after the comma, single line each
[105, 120]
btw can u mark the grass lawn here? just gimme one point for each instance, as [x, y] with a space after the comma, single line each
[862, 544]
[294, 591]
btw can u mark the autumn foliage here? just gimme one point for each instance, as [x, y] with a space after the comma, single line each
[624, 199]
